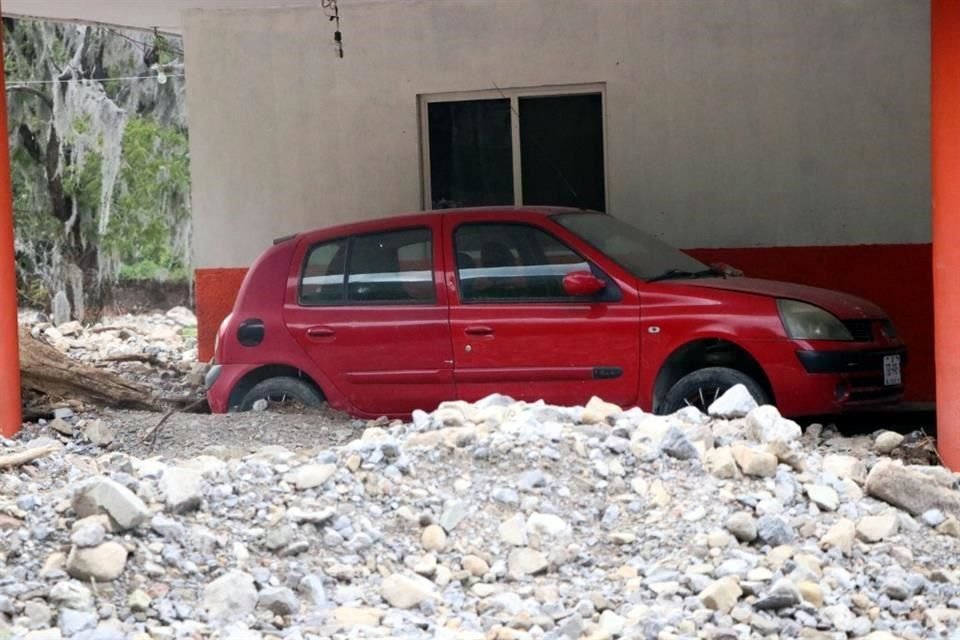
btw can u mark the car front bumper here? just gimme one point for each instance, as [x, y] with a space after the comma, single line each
[829, 378]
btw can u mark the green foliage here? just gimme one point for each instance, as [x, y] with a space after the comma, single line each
[152, 201]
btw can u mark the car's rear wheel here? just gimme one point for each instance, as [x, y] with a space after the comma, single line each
[700, 388]
[281, 393]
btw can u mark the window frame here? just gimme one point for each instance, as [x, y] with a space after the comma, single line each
[345, 300]
[513, 95]
[611, 294]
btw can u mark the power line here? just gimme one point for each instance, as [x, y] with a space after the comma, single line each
[143, 45]
[11, 82]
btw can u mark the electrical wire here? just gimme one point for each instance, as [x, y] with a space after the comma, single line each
[14, 83]
[146, 46]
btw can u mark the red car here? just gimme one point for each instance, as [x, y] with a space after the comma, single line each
[384, 317]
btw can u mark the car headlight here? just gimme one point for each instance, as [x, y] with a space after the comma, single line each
[889, 330]
[804, 321]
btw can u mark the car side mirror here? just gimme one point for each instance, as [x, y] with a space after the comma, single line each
[582, 284]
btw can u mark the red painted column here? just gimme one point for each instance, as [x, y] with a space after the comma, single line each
[945, 142]
[10, 416]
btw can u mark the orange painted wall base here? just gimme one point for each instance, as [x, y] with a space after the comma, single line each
[897, 277]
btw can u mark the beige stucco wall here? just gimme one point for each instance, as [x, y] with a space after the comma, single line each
[730, 123]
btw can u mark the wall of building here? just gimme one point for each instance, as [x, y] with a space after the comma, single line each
[738, 125]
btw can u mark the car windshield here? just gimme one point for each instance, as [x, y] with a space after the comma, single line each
[641, 254]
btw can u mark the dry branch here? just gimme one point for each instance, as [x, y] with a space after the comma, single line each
[45, 370]
[29, 455]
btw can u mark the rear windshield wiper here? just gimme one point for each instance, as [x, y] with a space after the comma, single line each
[671, 274]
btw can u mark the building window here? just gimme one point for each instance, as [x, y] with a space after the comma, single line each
[515, 147]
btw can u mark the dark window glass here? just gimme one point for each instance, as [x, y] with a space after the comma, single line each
[471, 158]
[391, 267]
[503, 262]
[561, 151]
[322, 278]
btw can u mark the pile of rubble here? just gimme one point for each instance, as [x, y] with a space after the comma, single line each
[498, 519]
[158, 350]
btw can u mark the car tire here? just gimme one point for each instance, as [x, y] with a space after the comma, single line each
[281, 389]
[707, 384]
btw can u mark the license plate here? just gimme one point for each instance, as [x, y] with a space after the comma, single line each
[891, 370]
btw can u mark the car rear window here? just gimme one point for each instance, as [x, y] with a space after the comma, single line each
[391, 267]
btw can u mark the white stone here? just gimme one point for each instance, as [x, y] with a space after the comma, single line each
[721, 595]
[877, 528]
[104, 495]
[514, 530]
[310, 476]
[524, 561]
[405, 592]
[841, 535]
[845, 467]
[823, 496]
[765, 424]
[736, 402]
[98, 433]
[102, 563]
[753, 462]
[183, 489]
[232, 596]
[547, 524]
[597, 411]
[887, 441]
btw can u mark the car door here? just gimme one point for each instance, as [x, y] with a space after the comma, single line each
[371, 310]
[516, 332]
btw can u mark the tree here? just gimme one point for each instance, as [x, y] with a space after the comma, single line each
[99, 159]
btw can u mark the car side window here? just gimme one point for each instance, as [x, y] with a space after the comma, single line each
[512, 262]
[396, 266]
[322, 279]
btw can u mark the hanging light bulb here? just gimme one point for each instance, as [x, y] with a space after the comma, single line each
[161, 76]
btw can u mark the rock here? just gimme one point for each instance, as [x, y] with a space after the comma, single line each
[910, 489]
[753, 462]
[841, 536]
[61, 426]
[743, 526]
[736, 402]
[887, 441]
[72, 622]
[310, 476]
[811, 593]
[433, 538]
[98, 433]
[597, 411]
[103, 495]
[348, 617]
[845, 467]
[877, 528]
[71, 594]
[88, 535]
[721, 463]
[676, 445]
[765, 424]
[612, 623]
[949, 527]
[477, 566]
[102, 563]
[38, 614]
[721, 595]
[280, 601]
[139, 600]
[824, 497]
[183, 489]
[514, 530]
[524, 561]
[454, 511]
[278, 537]
[182, 316]
[933, 517]
[230, 597]
[405, 592]
[774, 531]
[549, 525]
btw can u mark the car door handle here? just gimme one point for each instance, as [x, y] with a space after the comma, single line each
[321, 332]
[478, 331]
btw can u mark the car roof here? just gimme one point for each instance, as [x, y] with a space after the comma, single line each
[402, 218]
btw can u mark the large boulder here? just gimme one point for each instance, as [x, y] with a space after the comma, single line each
[104, 495]
[913, 489]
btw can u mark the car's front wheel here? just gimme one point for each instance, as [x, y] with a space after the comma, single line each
[700, 388]
[280, 393]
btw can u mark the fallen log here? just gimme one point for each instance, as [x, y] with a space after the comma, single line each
[46, 371]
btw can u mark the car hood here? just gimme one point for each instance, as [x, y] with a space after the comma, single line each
[842, 305]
